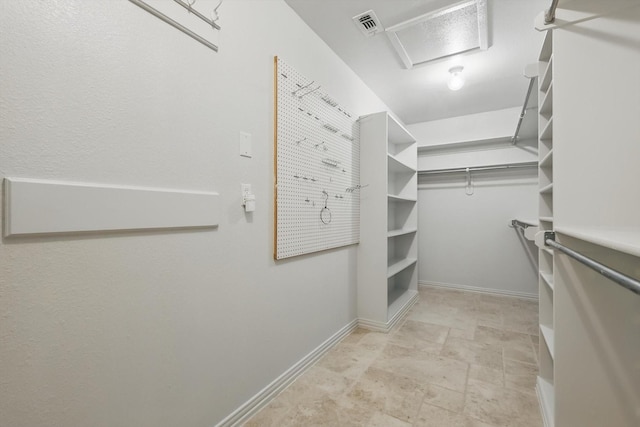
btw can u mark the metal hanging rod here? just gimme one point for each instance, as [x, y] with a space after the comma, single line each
[550, 15]
[480, 168]
[514, 138]
[196, 13]
[621, 279]
[175, 24]
[516, 223]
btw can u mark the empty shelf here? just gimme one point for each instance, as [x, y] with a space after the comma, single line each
[548, 279]
[547, 334]
[547, 161]
[401, 232]
[547, 189]
[394, 198]
[546, 395]
[397, 166]
[622, 239]
[397, 266]
[547, 132]
[547, 76]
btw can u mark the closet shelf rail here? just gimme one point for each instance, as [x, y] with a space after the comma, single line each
[480, 168]
[621, 279]
[519, 224]
[514, 138]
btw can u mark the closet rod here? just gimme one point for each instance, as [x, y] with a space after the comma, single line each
[480, 168]
[550, 15]
[514, 138]
[174, 24]
[621, 279]
[516, 223]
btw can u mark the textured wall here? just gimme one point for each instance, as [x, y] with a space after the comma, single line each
[158, 328]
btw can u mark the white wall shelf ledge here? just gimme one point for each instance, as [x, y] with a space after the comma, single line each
[546, 218]
[547, 161]
[548, 279]
[397, 166]
[546, 78]
[547, 334]
[547, 131]
[622, 239]
[401, 232]
[394, 198]
[396, 267]
[547, 189]
[468, 145]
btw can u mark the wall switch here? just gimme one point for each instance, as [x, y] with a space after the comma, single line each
[248, 198]
[245, 144]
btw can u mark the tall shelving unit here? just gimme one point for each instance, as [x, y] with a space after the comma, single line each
[388, 222]
[545, 383]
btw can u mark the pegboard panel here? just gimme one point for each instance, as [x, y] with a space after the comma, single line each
[317, 161]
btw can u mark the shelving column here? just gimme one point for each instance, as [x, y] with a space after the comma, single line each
[545, 383]
[388, 222]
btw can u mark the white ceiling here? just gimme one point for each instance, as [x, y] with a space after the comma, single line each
[494, 78]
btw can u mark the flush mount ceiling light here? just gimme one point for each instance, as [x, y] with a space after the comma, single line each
[448, 31]
[456, 81]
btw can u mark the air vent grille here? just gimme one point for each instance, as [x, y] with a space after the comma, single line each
[368, 23]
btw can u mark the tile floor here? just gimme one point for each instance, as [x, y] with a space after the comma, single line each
[458, 359]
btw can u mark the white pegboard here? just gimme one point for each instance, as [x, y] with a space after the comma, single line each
[317, 165]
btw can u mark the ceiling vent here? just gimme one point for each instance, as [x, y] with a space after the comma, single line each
[368, 23]
[458, 28]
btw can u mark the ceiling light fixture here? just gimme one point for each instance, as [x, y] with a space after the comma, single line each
[456, 81]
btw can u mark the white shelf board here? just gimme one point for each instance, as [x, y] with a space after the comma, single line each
[547, 189]
[547, 76]
[622, 239]
[548, 251]
[474, 144]
[547, 398]
[547, 160]
[546, 218]
[547, 334]
[397, 266]
[397, 134]
[394, 198]
[401, 232]
[547, 132]
[547, 49]
[34, 206]
[397, 166]
[547, 102]
[548, 279]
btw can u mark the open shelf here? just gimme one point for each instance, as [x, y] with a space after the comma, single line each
[547, 161]
[546, 218]
[472, 144]
[397, 166]
[547, 335]
[547, 131]
[548, 279]
[397, 266]
[547, 101]
[401, 231]
[394, 198]
[547, 76]
[398, 299]
[547, 189]
[622, 239]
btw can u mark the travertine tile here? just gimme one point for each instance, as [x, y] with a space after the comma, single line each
[462, 333]
[444, 398]
[423, 367]
[473, 352]
[348, 359]
[326, 380]
[383, 420]
[389, 393]
[520, 376]
[486, 375]
[414, 333]
[432, 416]
[501, 407]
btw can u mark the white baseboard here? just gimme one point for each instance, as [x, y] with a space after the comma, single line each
[374, 325]
[264, 396]
[545, 404]
[490, 291]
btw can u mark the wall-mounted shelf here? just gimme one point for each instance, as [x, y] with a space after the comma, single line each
[547, 189]
[397, 166]
[394, 198]
[477, 144]
[396, 266]
[548, 279]
[622, 239]
[402, 232]
[547, 160]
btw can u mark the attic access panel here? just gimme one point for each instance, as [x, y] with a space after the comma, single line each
[441, 33]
